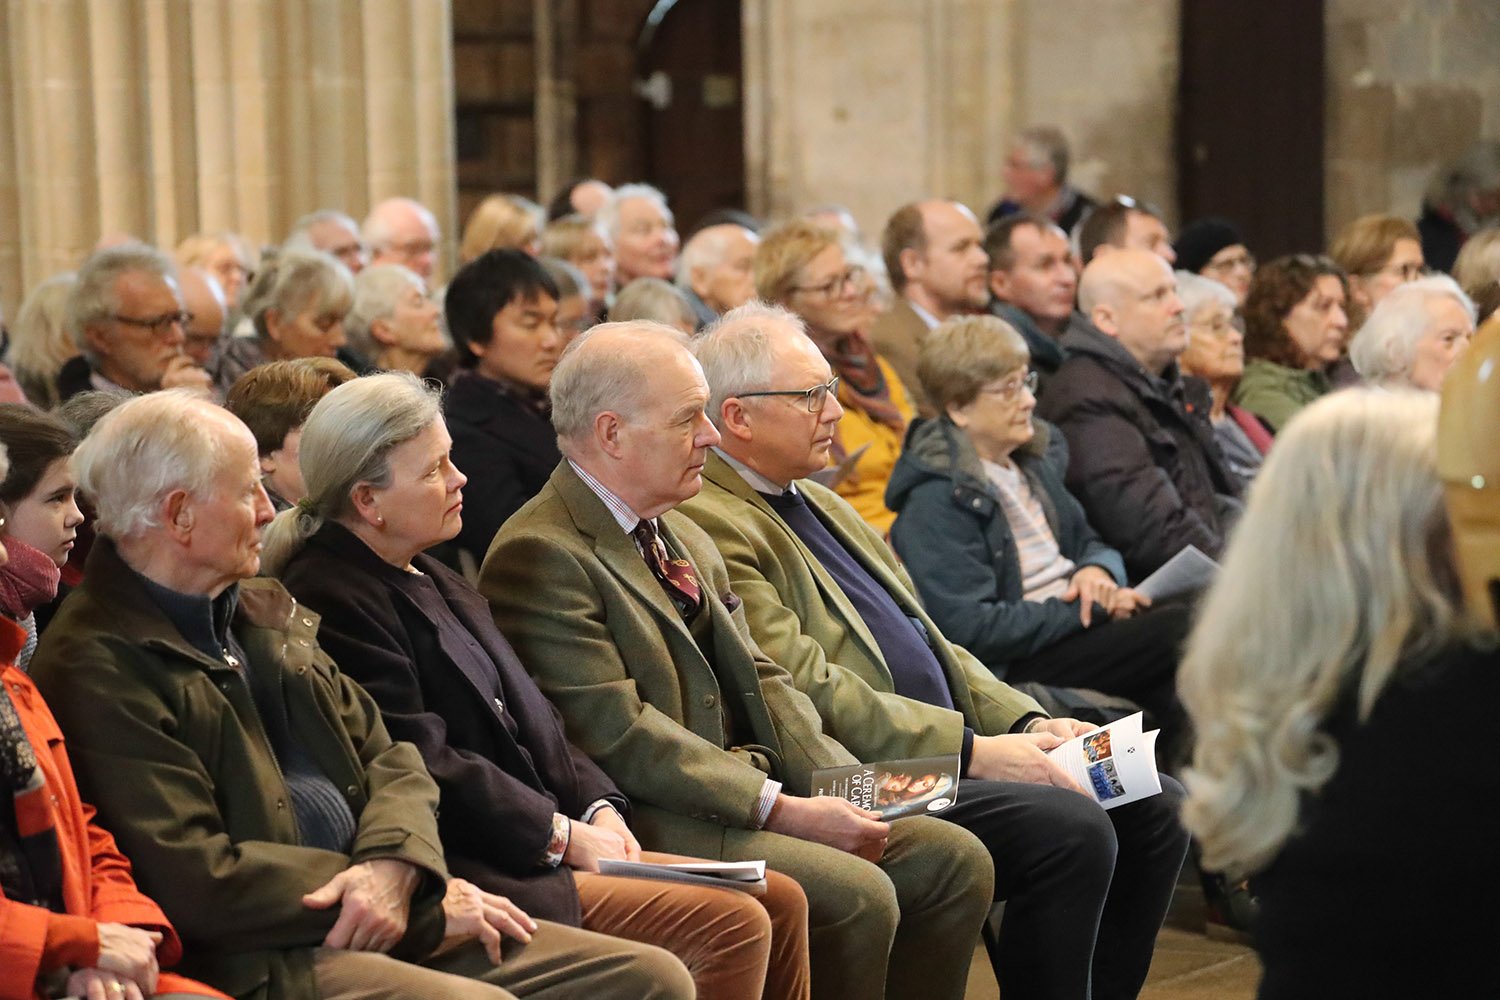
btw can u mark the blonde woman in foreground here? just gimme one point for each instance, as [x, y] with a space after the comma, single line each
[1344, 703]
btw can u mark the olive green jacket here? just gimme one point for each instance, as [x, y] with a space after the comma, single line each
[803, 620]
[167, 744]
[1275, 392]
[571, 592]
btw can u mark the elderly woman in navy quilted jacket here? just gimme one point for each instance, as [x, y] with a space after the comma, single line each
[1001, 552]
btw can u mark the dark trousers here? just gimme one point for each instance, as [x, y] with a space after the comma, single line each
[1085, 889]
[1133, 658]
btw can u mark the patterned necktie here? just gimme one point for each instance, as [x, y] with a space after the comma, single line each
[676, 576]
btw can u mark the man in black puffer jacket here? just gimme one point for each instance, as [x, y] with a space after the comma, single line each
[1143, 458]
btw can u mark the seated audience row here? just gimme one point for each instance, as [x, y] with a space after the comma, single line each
[679, 620]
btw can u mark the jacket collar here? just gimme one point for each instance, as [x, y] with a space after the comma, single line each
[720, 474]
[615, 548]
[263, 603]
[936, 447]
[1046, 351]
[1083, 338]
[484, 401]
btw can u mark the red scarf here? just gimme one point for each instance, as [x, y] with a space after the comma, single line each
[28, 580]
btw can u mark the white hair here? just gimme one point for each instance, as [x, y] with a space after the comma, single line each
[1339, 574]
[1385, 347]
[376, 291]
[737, 353]
[706, 249]
[291, 283]
[590, 380]
[378, 230]
[144, 449]
[40, 338]
[1045, 145]
[298, 240]
[652, 299]
[609, 215]
[1196, 291]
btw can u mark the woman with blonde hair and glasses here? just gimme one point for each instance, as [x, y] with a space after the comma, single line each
[1379, 253]
[1330, 654]
[804, 267]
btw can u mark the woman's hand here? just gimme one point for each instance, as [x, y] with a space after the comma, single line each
[1089, 586]
[1127, 602]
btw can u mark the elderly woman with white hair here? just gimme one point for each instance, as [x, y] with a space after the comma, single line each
[1216, 353]
[1333, 647]
[1414, 335]
[297, 305]
[393, 322]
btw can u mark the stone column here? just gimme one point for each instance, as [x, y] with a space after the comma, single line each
[876, 103]
[163, 118]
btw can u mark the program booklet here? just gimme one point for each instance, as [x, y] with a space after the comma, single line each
[1115, 764]
[747, 876]
[1189, 571]
[894, 788]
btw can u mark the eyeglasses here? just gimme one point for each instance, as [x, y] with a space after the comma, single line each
[815, 398]
[1007, 390]
[158, 325]
[836, 285]
[1245, 260]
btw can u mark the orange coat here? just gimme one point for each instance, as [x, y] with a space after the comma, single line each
[97, 886]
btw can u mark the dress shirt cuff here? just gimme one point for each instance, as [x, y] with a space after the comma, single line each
[557, 844]
[1028, 722]
[593, 810]
[765, 803]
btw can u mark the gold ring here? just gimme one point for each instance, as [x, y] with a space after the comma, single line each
[117, 987]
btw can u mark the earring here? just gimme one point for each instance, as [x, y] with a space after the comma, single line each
[379, 521]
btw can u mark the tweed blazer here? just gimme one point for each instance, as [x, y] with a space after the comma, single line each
[803, 620]
[571, 592]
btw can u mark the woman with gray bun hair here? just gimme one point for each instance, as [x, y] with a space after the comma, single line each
[1414, 335]
[524, 814]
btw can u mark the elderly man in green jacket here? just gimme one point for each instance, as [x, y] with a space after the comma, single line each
[289, 839]
[1086, 890]
[622, 608]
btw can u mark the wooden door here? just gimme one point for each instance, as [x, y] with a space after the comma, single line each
[689, 75]
[1250, 120]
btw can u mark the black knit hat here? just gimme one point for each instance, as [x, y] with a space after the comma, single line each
[1201, 239]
